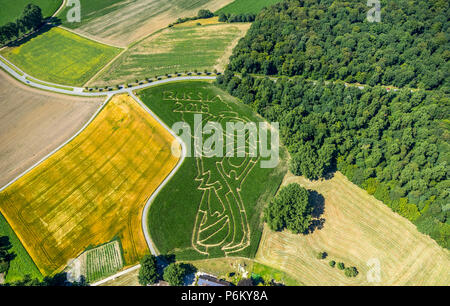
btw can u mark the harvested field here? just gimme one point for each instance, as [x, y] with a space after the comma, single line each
[177, 49]
[93, 190]
[34, 123]
[121, 22]
[358, 230]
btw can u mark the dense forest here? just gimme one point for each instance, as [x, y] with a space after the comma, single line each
[393, 143]
[331, 39]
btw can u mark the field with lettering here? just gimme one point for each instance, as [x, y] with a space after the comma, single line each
[93, 190]
[178, 49]
[61, 57]
[121, 22]
[359, 231]
[213, 206]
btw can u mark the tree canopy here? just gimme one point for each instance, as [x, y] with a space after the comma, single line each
[174, 274]
[290, 209]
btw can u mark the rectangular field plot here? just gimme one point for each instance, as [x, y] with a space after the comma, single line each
[61, 57]
[103, 261]
[177, 49]
[93, 190]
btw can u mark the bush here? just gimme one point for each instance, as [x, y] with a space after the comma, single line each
[205, 14]
[332, 263]
[341, 266]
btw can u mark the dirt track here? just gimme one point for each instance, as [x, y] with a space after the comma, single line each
[34, 122]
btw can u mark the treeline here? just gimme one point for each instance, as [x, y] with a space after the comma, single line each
[393, 144]
[237, 17]
[332, 40]
[30, 20]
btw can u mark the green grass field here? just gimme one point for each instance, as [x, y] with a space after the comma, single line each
[246, 6]
[175, 50]
[22, 264]
[61, 57]
[12, 9]
[212, 206]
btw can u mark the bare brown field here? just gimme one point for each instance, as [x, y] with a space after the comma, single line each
[137, 19]
[93, 190]
[357, 228]
[33, 123]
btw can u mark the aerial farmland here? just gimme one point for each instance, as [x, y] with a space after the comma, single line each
[224, 142]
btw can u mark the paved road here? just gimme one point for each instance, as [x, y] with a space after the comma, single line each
[78, 91]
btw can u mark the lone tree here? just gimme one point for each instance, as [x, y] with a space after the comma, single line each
[341, 266]
[148, 274]
[289, 209]
[174, 274]
[332, 263]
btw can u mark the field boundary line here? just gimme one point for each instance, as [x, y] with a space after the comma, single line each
[60, 146]
[166, 180]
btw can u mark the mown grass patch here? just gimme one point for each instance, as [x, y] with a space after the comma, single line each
[204, 192]
[61, 57]
[246, 6]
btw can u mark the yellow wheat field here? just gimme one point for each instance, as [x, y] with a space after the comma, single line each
[92, 190]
